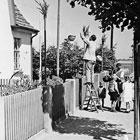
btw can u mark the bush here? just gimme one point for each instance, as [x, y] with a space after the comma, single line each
[17, 86]
[53, 81]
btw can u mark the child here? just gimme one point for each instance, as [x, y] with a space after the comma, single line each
[113, 92]
[101, 93]
[120, 89]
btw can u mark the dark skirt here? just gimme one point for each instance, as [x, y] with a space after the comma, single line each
[102, 95]
[113, 96]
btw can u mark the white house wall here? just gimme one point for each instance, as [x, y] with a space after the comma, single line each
[25, 59]
[25, 52]
[6, 42]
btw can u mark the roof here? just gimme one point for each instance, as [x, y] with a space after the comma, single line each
[21, 22]
[125, 61]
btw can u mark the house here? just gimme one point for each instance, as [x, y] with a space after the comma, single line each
[16, 37]
[127, 64]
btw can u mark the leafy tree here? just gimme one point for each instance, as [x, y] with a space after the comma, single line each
[108, 56]
[119, 13]
[70, 59]
[51, 57]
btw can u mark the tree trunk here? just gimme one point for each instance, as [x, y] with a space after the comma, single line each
[47, 108]
[137, 82]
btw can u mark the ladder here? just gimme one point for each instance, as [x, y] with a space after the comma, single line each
[92, 100]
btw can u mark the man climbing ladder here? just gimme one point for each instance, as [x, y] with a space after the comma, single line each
[90, 60]
[89, 57]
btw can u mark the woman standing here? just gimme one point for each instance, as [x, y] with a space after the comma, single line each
[113, 92]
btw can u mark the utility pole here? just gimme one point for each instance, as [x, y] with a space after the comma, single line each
[45, 47]
[111, 40]
[40, 54]
[58, 33]
[102, 59]
[40, 60]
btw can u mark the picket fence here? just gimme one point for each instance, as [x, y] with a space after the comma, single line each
[3, 83]
[22, 116]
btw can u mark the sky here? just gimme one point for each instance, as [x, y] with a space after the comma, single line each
[72, 21]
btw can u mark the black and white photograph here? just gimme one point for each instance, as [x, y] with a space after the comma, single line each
[70, 70]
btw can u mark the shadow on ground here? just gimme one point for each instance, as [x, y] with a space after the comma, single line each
[92, 127]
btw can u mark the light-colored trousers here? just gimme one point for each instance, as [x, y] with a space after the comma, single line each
[89, 70]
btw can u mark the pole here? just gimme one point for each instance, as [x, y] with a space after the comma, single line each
[58, 26]
[132, 59]
[45, 49]
[40, 52]
[102, 59]
[40, 68]
[111, 42]
[136, 90]
[84, 66]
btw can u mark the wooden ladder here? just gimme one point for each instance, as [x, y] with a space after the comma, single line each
[92, 100]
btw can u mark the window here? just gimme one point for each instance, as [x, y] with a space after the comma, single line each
[16, 53]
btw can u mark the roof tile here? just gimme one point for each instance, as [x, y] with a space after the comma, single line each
[20, 20]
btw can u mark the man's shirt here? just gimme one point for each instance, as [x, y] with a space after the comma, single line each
[89, 50]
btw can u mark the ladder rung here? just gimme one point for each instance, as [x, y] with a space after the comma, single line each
[92, 100]
[92, 90]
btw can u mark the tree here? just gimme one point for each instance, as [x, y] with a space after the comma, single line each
[52, 59]
[43, 8]
[108, 56]
[120, 13]
[70, 59]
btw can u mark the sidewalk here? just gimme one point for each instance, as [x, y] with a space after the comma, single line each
[85, 125]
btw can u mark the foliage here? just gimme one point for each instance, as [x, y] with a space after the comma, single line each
[51, 58]
[71, 61]
[108, 56]
[86, 31]
[55, 80]
[43, 7]
[17, 86]
[121, 13]
[35, 64]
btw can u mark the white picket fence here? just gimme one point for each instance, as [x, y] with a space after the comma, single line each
[3, 83]
[22, 115]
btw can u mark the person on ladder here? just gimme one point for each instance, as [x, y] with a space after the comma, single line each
[89, 58]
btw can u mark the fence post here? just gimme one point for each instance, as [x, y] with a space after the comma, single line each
[73, 93]
[2, 119]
